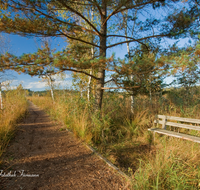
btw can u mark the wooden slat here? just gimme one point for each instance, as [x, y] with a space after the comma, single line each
[175, 134]
[185, 126]
[189, 120]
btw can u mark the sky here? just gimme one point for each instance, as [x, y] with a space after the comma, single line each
[19, 45]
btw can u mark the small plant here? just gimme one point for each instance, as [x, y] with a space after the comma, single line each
[130, 171]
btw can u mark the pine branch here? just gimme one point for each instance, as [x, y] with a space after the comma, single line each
[80, 71]
[80, 15]
[137, 40]
[118, 10]
[80, 40]
[107, 88]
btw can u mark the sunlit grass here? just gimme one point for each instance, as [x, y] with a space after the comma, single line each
[15, 107]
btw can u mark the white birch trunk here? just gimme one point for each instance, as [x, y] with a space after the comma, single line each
[89, 86]
[128, 50]
[81, 91]
[51, 87]
[150, 93]
[131, 76]
[90, 78]
[1, 97]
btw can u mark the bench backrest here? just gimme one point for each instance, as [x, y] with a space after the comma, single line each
[165, 122]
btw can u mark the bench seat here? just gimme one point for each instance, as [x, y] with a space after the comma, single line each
[176, 134]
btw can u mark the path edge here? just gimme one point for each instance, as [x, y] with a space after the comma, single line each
[103, 158]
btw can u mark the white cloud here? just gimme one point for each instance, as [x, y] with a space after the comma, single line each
[63, 84]
[31, 85]
[9, 87]
[35, 83]
[59, 76]
[10, 84]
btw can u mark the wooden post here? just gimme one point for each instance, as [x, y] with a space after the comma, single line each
[164, 122]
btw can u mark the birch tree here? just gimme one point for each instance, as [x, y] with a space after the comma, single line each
[1, 101]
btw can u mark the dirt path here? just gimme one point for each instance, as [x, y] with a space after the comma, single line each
[43, 157]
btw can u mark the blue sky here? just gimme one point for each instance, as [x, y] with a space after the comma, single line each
[19, 45]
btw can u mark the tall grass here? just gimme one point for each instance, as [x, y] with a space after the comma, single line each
[175, 165]
[123, 138]
[15, 107]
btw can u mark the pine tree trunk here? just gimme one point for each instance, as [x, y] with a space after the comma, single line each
[101, 70]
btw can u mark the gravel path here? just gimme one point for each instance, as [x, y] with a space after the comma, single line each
[41, 157]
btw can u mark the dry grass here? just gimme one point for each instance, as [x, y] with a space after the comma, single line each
[15, 107]
[174, 165]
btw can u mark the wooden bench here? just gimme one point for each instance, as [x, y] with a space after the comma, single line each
[164, 121]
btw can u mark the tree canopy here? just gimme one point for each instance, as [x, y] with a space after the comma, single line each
[153, 21]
